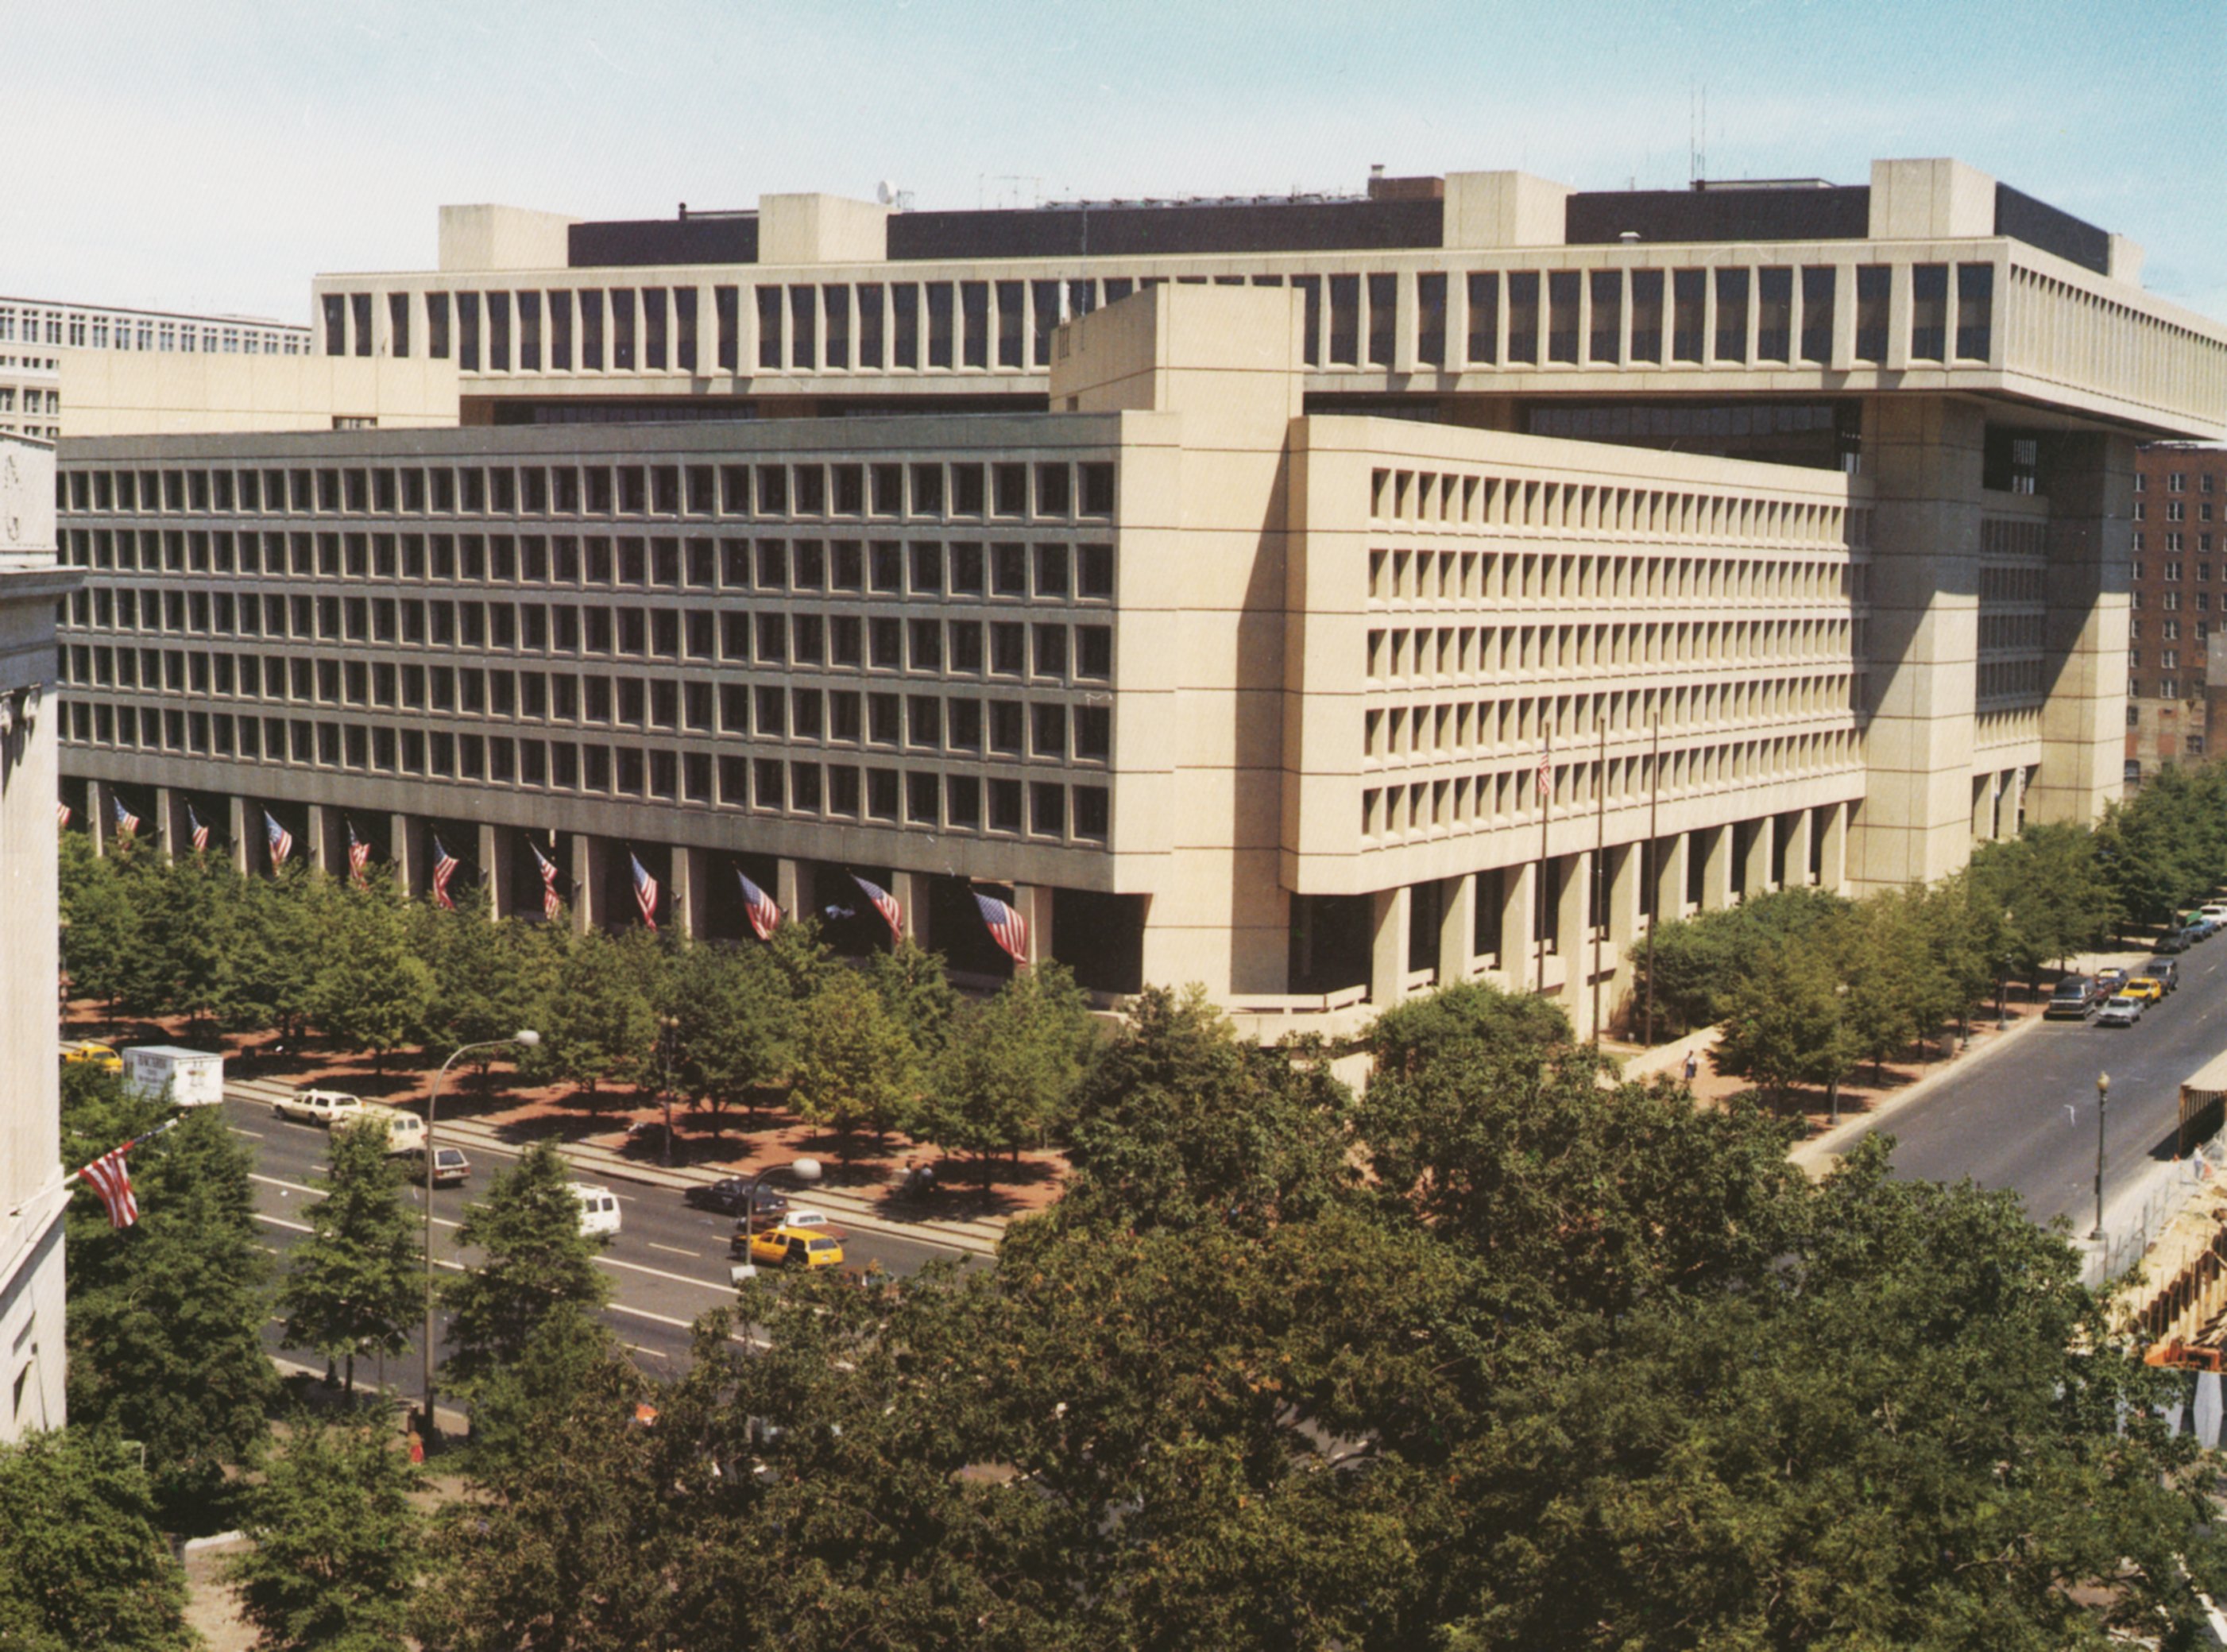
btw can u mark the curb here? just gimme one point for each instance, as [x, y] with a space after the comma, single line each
[1819, 1153]
[973, 1238]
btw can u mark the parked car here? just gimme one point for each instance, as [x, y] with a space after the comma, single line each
[90, 1053]
[727, 1196]
[599, 1209]
[2123, 1010]
[450, 1167]
[2194, 933]
[2175, 940]
[788, 1247]
[406, 1132]
[2148, 988]
[2074, 998]
[326, 1108]
[2164, 971]
[747, 1232]
[2108, 981]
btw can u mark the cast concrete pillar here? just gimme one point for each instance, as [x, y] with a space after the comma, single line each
[1624, 874]
[1519, 923]
[494, 866]
[1833, 851]
[1033, 902]
[1761, 838]
[1716, 850]
[1798, 830]
[1390, 912]
[691, 889]
[792, 888]
[240, 818]
[2085, 631]
[402, 845]
[167, 817]
[1671, 855]
[590, 855]
[1574, 941]
[1924, 454]
[1457, 928]
[315, 830]
[911, 891]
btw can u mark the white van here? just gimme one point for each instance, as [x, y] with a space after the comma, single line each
[599, 1210]
[406, 1132]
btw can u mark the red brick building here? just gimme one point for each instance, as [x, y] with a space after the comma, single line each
[2179, 597]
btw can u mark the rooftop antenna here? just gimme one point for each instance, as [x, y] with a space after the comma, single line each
[1697, 133]
[885, 192]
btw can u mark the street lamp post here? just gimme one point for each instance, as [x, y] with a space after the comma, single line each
[669, 1027]
[2103, 1110]
[526, 1037]
[804, 1169]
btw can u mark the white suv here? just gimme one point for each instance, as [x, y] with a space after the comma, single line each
[326, 1108]
[599, 1210]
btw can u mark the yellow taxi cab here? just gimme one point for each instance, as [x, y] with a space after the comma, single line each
[2144, 987]
[92, 1054]
[795, 1246]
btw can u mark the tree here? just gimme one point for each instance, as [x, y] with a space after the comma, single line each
[82, 1561]
[918, 997]
[189, 911]
[734, 1010]
[165, 1317]
[370, 991]
[2046, 884]
[535, 1262]
[338, 1545]
[852, 1068]
[599, 1023]
[102, 945]
[1008, 1073]
[1785, 1024]
[354, 1285]
[280, 943]
[489, 979]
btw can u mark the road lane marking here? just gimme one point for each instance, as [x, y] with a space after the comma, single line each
[280, 1222]
[675, 1250]
[660, 1274]
[237, 1130]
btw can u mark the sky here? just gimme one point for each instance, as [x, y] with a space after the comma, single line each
[216, 153]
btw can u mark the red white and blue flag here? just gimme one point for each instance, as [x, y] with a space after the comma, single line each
[765, 916]
[358, 854]
[444, 867]
[550, 901]
[1007, 927]
[281, 841]
[127, 824]
[112, 1181]
[885, 904]
[61, 814]
[645, 890]
[195, 830]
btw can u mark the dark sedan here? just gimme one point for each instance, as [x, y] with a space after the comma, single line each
[727, 1196]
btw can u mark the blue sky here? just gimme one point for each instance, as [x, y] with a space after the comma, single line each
[216, 153]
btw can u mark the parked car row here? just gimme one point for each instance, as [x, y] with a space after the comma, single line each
[2115, 998]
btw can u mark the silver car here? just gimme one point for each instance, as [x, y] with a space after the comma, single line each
[2122, 1011]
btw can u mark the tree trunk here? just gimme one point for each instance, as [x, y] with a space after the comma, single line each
[348, 1385]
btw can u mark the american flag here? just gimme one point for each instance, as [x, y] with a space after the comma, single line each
[112, 1181]
[1007, 927]
[61, 814]
[550, 901]
[127, 823]
[645, 890]
[885, 904]
[444, 867]
[195, 829]
[1546, 786]
[281, 841]
[765, 916]
[358, 854]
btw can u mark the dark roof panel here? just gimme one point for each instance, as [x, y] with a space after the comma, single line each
[2038, 223]
[1730, 213]
[1150, 228]
[726, 240]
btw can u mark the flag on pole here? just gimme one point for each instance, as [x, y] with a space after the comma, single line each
[112, 1181]
[281, 841]
[765, 916]
[645, 890]
[61, 814]
[550, 899]
[195, 829]
[358, 854]
[885, 904]
[1007, 927]
[1545, 782]
[444, 867]
[127, 824]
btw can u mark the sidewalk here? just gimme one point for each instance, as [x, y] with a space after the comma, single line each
[977, 1236]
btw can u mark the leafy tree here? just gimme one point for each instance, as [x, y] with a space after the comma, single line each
[852, 1067]
[102, 945]
[165, 1316]
[82, 1561]
[355, 1285]
[599, 1023]
[189, 909]
[2045, 888]
[370, 991]
[338, 1545]
[535, 1262]
[1785, 1024]
[281, 941]
[734, 1010]
[489, 979]
[918, 996]
[1008, 1074]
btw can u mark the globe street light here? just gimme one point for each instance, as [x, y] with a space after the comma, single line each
[2103, 1108]
[804, 1169]
[526, 1037]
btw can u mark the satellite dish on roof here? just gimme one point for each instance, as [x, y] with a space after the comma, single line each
[885, 192]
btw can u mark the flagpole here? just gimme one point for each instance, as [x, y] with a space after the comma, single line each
[1546, 789]
[1654, 805]
[1593, 901]
[168, 1124]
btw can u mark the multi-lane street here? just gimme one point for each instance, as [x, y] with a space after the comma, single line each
[2025, 1117]
[667, 1265]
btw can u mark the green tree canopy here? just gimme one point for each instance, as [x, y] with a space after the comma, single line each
[535, 1262]
[734, 1011]
[355, 1285]
[370, 990]
[599, 1022]
[852, 1067]
[82, 1563]
[1008, 1073]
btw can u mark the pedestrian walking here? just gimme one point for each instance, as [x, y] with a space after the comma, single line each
[1693, 1065]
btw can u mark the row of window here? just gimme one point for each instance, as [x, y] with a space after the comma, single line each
[1454, 651]
[1507, 503]
[1774, 313]
[2169, 600]
[34, 401]
[1045, 808]
[100, 330]
[2176, 482]
[1998, 679]
[2162, 688]
[2168, 629]
[1485, 801]
[1443, 576]
[2175, 510]
[1041, 490]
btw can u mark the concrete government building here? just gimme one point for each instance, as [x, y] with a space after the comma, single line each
[1310, 598]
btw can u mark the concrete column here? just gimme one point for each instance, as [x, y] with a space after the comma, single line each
[402, 844]
[99, 814]
[1716, 847]
[1833, 868]
[692, 882]
[1922, 638]
[239, 839]
[1623, 903]
[589, 856]
[1670, 874]
[1575, 943]
[1798, 830]
[1518, 908]
[167, 818]
[1390, 912]
[1034, 900]
[792, 888]
[911, 891]
[494, 866]
[317, 829]
[2085, 632]
[1457, 928]
[1759, 843]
